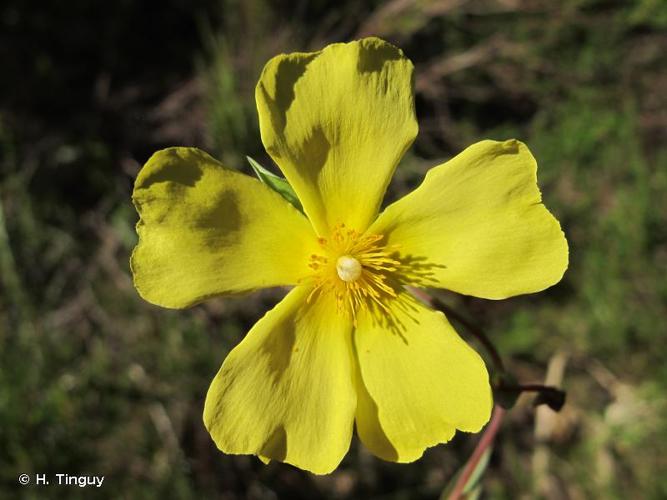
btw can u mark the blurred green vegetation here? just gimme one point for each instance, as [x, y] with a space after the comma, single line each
[95, 381]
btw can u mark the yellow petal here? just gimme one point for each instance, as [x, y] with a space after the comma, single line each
[285, 392]
[477, 223]
[420, 382]
[206, 230]
[337, 122]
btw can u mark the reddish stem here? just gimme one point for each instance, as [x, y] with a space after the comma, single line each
[486, 440]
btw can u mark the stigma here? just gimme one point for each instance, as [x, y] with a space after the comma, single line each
[348, 268]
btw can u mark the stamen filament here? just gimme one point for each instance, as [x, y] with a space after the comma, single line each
[356, 269]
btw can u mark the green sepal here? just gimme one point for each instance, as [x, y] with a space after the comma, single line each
[277, 183]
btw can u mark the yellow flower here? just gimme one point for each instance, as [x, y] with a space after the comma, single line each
[348, 343]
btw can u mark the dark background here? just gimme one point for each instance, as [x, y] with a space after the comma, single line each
[95, 381]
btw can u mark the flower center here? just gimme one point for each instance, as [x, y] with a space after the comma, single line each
[356, 268]
[348, 268]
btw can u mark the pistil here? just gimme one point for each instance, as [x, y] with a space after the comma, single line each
[348, 268]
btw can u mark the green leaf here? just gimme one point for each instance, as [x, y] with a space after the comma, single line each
[277, 183]
[473, 486]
